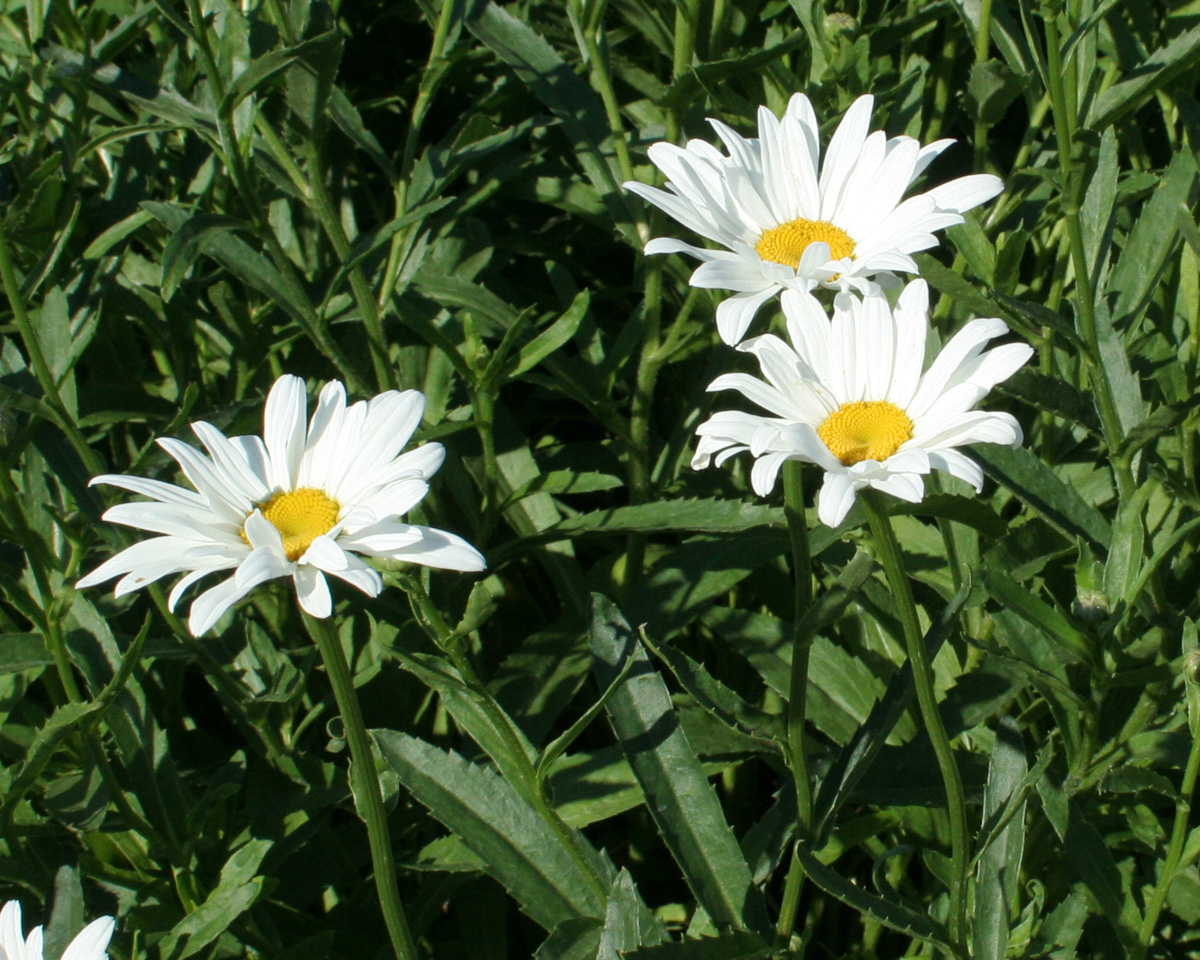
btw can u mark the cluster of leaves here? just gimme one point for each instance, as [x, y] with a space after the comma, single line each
[197, 198]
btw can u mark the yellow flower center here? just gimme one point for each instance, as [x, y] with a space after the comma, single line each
[787, 242]
[865, 430]
[300, 516]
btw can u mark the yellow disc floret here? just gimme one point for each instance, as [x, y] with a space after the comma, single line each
[300, 516]
[865, 430]
[787, 242]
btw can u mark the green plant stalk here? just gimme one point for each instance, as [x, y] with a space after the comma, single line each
[793, 505]
[651, 357]
[332, 224]
[531, 786]
[687, 19]
[430, 78]
[597, 54]
[941, 89]
[888, 551]
[1179, 832]
[982, 38]
[37, 360]
[483, 400]
[639, 414]
[1063, 117]
[368, 799]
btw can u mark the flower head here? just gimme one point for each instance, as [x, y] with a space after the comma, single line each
[90, 944]
[850, 396]
[792, 220]
[301, 501]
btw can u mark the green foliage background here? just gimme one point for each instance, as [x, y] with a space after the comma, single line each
[198, 197]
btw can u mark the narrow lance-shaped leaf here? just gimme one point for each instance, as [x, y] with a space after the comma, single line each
[680, 798]
[496, 824]
[998, 871]
[1043, 491]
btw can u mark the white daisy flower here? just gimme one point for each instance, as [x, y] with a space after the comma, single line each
[90, 944]
[299, 502]
[791, 221]
[849, 395]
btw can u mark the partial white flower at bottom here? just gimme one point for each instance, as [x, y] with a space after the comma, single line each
[301, 501]
[90, 944]
[849, 395]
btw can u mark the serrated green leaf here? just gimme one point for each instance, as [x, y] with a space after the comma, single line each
[550, 339]
[208, 921]
[1054, 395]
[465, 705]
[1158, 70]
[514, 842]
[68, 916]
[241, 260]
[270, 64]
[737, 945]
[1096, 213]
[992, 87]
[1072, 644]
[1124, 561]
[1052, 499]
[1136, 273]
[566, 95]
[64, 719]
[1091, 857]
[1131, 779]
[998, 870]
[718, 699]
[195, 236]
[679, 796]
[889, 913]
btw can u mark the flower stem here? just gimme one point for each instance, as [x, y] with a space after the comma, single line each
[981, 55]
[793, 505]
[364, 784]
[1179, 832]
[888, 551]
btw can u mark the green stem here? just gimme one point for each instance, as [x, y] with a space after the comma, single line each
[332, 224]
[687, 19]
[1179, 832]
[793, 505]
[483, 400]
[430, 78]
[1072, 186]
[364, 784]
[981, 54]
[37, 360]
[943, 67]
[597, 53]
[639, 413]
[888, 551]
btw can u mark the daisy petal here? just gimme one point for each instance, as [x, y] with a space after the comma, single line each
[736, 313]
[91, 942]
[312, 590]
